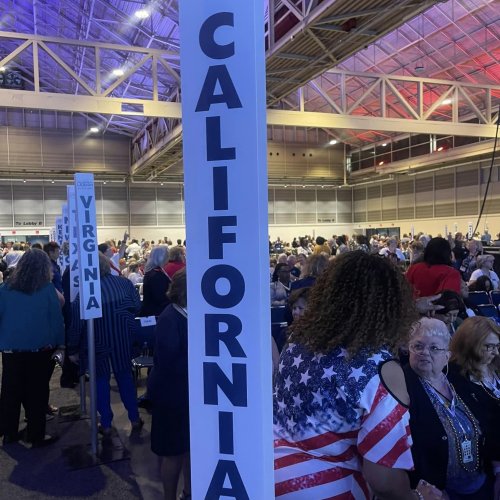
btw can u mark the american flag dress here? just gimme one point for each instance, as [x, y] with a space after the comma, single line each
[330, 412]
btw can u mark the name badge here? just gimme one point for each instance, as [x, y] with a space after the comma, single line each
[148, 321]
[467, 451]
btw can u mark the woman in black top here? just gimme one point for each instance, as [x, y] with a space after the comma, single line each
[168, 391]
[474, 373]
[156, 283]
[448, 435]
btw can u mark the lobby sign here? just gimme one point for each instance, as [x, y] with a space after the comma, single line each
[88, 257]
[73, 244]
[225, 174]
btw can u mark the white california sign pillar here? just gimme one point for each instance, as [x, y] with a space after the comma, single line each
[225, 174]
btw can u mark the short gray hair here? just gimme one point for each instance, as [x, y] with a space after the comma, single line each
[430, 327]
[481, 259]
[157, 258]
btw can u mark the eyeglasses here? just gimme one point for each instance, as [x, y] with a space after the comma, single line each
[421, 348]
[492, 347]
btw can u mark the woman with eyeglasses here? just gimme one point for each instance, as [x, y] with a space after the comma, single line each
[448, 437]
[474, 372]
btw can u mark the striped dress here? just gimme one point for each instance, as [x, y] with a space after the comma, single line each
[330, 412]
[113, 331]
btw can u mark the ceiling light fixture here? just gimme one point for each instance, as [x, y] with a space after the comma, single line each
[384, 144]
[446, 102]
[3, 69]
[440, 148]
[52, 182]
[118, 72]
[381, 163]
[419, 68]
[94, 130]
[141, 14]
[333, 142]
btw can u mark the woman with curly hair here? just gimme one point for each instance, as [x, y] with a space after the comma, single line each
[340, 404]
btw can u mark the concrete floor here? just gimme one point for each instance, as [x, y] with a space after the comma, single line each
[44, 473]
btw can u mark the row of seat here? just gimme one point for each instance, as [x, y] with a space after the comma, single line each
[486, 304]
[480, 298]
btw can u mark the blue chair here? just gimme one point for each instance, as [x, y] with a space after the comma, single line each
[495, 297]
[278, 314]
[479, 298]
[488, 310]
[279, 325]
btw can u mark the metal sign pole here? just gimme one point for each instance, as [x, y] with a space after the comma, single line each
[83, 396]
[92, 385]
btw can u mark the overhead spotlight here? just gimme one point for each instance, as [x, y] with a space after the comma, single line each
[384, 144]
[333, 142]
[52, 181]
[161, 183]
[446, 102]
[303, 185]
[440, 148]
[3, 69]
[380, 162]
[141, 14]
[118, 72]
[322, 187]
[104, 182]
[286, 185]
[24, 180]
[94, 130]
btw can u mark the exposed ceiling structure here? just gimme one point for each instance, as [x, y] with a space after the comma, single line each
[319, 52]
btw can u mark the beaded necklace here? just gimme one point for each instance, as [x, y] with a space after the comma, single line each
[491, 388]
[467, 456]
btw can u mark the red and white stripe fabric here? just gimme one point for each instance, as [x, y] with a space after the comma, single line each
[322, 457]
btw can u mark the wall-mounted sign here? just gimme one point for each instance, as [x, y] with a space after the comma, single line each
[28, 223]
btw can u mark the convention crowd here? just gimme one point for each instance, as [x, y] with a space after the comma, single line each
[385, 359]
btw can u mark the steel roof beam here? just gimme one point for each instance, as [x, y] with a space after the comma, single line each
[329, 120]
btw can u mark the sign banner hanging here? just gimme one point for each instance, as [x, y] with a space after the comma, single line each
[59, 239]
[225, 173]
[88, 257]
[64, 246]
[73, 244]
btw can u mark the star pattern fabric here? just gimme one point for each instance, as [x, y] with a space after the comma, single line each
[329, 412]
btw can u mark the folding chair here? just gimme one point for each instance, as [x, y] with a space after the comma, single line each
[488, 310]
[278, 325]
[479, 298]
[495, 297]
[143, 340]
